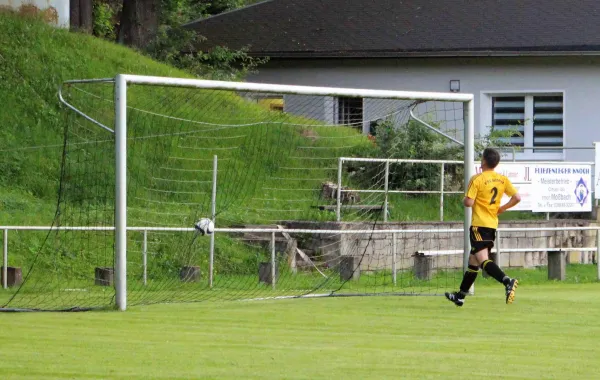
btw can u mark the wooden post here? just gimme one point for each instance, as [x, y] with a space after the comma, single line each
[349, 268]
[556, 265]
[104, 276]
[265, 274]
[423, 267]
[11, 276]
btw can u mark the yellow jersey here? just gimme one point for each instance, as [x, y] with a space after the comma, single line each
[487, 189]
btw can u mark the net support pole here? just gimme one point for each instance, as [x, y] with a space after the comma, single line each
[338, 206]
[213, 212]
[121, 192]
[5, 259]
[273, 279]
[598, 252]
[469, 121]
[498, 247]
[387, 184]
[394, 253]
[442, 192]
[145, 257]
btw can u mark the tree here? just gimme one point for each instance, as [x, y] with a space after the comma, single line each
[81, 15]
[139, 22]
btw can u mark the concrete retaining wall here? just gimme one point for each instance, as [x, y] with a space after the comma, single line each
[376, 250]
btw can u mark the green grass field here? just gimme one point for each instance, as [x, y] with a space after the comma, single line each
[550, 332]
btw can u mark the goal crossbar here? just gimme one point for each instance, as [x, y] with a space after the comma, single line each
[294, 89]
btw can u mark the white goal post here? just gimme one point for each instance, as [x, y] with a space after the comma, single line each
[122, 81]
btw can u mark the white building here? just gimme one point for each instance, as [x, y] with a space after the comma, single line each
[535, 64]
[55, 12]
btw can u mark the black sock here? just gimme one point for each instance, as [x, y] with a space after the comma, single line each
[494, 270]
[468, 280]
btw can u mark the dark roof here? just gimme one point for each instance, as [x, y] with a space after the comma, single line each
[380, 28]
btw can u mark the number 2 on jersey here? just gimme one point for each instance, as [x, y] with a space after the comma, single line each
[494, 195]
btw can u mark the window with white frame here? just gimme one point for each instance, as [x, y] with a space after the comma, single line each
[538, 119]
[350, 111]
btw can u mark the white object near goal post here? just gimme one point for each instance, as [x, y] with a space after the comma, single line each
[122, 81]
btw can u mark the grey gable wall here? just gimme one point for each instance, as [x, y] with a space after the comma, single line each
[577, 77]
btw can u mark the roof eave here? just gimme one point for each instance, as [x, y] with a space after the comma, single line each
[428, 54]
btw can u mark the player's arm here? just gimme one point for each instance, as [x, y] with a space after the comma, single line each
[514, 200]
[471, 194]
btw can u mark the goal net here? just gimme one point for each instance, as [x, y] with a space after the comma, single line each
[306, 186]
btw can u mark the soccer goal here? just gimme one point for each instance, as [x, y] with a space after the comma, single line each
[146, 158]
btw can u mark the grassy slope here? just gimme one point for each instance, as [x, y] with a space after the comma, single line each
[34, 60]
[549, 332]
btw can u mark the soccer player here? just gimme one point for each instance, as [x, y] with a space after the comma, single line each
[484, 195]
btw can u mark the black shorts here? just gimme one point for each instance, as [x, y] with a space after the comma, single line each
[482, 238]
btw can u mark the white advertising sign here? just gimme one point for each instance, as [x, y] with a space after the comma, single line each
[562, 188]
[597, 171]
[519, 174]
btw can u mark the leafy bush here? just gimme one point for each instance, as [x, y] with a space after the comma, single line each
[413, 140]
[104, 21]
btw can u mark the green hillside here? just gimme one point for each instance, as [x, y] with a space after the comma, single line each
[34, 60]
[271, 164]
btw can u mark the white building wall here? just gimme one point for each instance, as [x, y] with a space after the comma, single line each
[56, 12]
[578, 78]
[313, 107]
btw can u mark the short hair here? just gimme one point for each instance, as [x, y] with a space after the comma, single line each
[491, 157]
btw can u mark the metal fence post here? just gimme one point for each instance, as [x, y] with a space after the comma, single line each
[598, 252]
[442, 193]
[394, 253]
[213, 210]
[273, 279]
[387, 182]
[5, 259]
[338, 208]
[145, 257]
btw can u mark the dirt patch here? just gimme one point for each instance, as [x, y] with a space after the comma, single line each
[49, 15]
[310, 134]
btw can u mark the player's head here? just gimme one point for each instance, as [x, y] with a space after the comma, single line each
[490, 158]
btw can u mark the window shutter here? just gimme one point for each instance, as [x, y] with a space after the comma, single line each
[509, 113]
[547, 122]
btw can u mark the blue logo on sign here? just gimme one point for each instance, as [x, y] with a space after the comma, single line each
[581, 191]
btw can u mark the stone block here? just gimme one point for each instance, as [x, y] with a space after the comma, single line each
[503, 259]
[517, 259]
[574, 257]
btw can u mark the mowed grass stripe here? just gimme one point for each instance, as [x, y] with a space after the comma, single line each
[550, 332]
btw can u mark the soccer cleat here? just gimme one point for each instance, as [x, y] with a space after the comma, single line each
[510, 290]
[454, 297]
